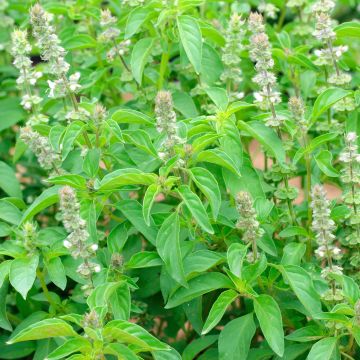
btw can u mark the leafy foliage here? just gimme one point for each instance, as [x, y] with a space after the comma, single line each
[179, 180]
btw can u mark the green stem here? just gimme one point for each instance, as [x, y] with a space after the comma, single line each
[282, 17]
[45, 290]
[163, 66]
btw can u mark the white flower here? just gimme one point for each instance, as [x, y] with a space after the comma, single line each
[97, 268]
[67, 244]
[94, 247]
[351, 136]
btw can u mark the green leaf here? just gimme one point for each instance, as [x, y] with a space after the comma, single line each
[47, 198]
[219, 97]
[144, 259]
[184, 103]
[235, 338]
[218, 309]
[198, 286]
[132, 334]
[168, 247]
[252, 271]
[237, 106]
[266, 137]
[8, 181]
[208, 185]
[120, 302]
[302, 60]
[269, 316]
[148, 201]
[69, 347]
[171, 354]
[10, 112]
[218, 157]
[348, 29]
[121, 350]
[197, 346]
[136, 18]
[129, 116]
[327, 99]
[56, 272]
[201, 260]
[122, 177]
[307, 333]
[99, 297]
[4, 270]
[141, 140]
[314, 144]
[293, 254]
[23, 274]
[91, 162]
[9, 212]
[324, 162]
[139, 57]
[190, 36]
[196, 208]
[44, 329]
[350, 289]
[211, 65]
[291, 231]
[235, 256]
[325, 349]
[80, 41]
[71, 134]
[133, 212]
[4, 322]
[73, 180]
[302, 285]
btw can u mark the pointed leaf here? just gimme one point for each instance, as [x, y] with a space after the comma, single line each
[235, 338]
[198, 286]
[190, 36]
[168, 247]
[44, 329]
[269, 315]
[196, 208]
[23, 274]
[218, 309]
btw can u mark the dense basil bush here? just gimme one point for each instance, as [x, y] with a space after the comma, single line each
[179, 179]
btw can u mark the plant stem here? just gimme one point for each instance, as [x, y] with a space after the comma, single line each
[163, 65]
[45, 290]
